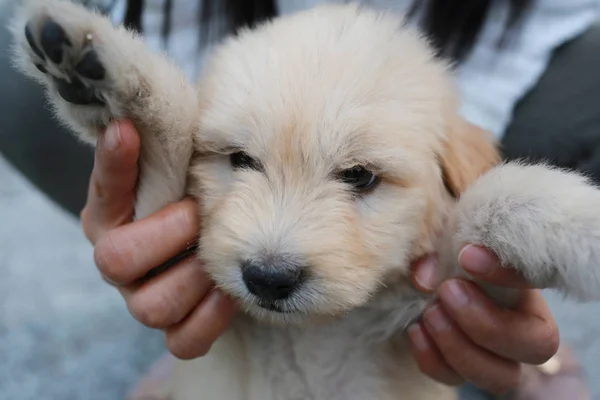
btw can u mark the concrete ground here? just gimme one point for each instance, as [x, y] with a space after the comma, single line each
[65, 335]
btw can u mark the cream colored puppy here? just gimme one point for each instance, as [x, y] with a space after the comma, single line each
[326, 152]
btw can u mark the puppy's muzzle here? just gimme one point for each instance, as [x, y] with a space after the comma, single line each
[272, 279]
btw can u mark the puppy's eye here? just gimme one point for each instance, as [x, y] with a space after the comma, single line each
[360, 178]
[242, 160]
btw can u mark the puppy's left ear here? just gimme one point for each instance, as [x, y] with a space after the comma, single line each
[468, 153]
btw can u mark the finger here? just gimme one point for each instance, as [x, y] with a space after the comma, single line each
[111, 193]
[424, 274]
[527, 334]
[195, 335]
[429, 359]
[168, 298]
[481, 263]
[471, 362]
[127, 253]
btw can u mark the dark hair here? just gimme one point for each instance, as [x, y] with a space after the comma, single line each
[452, 25]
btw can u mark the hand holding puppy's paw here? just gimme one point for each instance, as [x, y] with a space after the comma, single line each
[465, 336]
[483, 265]
[543, 222]
[69, 50]
[94, 72]
[477, 261]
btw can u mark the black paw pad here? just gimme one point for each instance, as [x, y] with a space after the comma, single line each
[32, 45]
[53, 38]
[90, 67]
[76, 92]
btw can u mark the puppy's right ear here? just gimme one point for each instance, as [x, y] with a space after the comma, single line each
[468, 153]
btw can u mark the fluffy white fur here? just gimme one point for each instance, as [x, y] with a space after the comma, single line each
[310, 95]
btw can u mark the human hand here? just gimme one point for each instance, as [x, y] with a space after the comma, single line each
[464, 336]
[181, 301]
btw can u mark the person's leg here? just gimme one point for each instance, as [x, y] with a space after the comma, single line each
[32, 141]
[559, 120]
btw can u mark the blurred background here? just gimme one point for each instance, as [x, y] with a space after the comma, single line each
[66, 335]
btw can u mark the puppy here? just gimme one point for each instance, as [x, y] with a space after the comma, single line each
[326, 152]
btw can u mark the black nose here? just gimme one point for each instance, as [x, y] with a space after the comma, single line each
[271, 281]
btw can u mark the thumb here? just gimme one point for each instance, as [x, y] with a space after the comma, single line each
[425, 273]
[483, 264]
[111, 192]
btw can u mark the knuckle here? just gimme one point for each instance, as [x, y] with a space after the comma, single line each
[439, 372]
[182, 349]
[151, 311]
[184, 215]
[86, 225]
[423, 365]
[485, 332]
[458, 359]
[453, 352]
[83, 214]
[110, 260]
[553, 342]
[430, 369]
[547, 344]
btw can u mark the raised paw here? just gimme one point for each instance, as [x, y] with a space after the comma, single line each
[82, 59]
[74, 69]
[93, 72]
[540, 220]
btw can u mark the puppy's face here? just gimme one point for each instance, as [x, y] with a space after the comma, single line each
[318, 163]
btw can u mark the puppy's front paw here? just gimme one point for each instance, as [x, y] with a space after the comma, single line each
[93, 72]
[87, 66]
[75, 69]
[540, 220]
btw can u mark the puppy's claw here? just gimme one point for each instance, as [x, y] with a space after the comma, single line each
[32, 44]
[76, 92]
[91, 67]
[53, 38]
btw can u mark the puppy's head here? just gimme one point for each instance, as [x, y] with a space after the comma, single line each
[325, 139]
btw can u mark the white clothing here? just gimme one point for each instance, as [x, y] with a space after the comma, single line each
[491, 81]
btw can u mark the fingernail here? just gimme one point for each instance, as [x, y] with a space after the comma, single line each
[417, 337]
[454, 294]
[436, 320]
[112, 136]
[425, 275]
[477, 259]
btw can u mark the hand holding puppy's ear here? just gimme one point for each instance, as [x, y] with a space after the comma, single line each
[194, 318]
